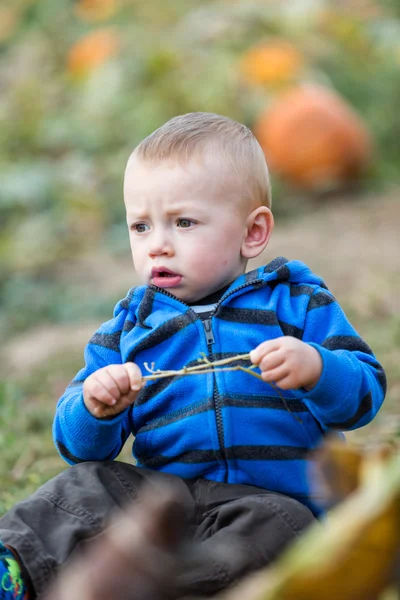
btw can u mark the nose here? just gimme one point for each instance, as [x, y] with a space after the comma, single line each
[160, 244]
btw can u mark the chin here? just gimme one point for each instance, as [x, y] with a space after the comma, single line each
[184, 296]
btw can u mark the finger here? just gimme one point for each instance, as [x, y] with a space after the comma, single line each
[275, 375]
[126, 401]
[286, 383]
[109, 383]
[263, 349]
[135, 376]
[99, 393]
[101, 410]
[120, 377]
[272, 360]
[108, 411]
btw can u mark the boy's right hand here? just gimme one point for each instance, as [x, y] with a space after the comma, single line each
[110, 390]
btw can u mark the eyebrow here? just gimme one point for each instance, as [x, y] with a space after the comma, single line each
[186, 208]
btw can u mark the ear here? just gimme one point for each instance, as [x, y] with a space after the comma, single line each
[259, 226]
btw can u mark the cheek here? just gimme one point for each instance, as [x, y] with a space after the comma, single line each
[210, 253]
[137, 257]
[208, 260]
[196, 260]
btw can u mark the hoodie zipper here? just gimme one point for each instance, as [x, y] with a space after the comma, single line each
[207, 326]
[208, 331]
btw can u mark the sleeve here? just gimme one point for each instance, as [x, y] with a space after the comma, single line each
[77, 434]
[352, 385]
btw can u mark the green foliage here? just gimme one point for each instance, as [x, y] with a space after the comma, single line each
[28, 457]
[67, 127]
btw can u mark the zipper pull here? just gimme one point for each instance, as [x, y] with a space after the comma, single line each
[208, 331]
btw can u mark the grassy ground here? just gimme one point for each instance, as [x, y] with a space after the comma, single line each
[352, 243]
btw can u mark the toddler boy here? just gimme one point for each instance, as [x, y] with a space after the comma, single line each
[197, 198]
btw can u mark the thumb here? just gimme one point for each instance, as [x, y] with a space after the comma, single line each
[135, 376]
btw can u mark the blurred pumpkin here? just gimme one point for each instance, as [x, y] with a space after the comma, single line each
[312, 138]
[272, 63]
[92, 51]
[96, 10]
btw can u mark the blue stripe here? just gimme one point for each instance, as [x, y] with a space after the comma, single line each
[269, 427]
[179, 437]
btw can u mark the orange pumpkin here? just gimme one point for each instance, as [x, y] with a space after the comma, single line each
[271, 63]
[92, 51]
[314, 139]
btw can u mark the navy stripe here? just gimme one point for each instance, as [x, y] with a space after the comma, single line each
[266, 452]
[65, 453]
[264, 401]
[178, 415]
[279, 261]
[381, 375]
[253, 316]
[292, 330]
[239, 401]
[247, 315]
[320, 299]
[346, 342]
[191, 457]
[364, 408]
[274, 284]
[251, 277]
[145, 308]
[300, 290]
[151, 390]
[295, 290]
[125, 303]
[128, 326]
[234, 452]
[283, 273]
[224, 355]
[161, 334]
[107, 340]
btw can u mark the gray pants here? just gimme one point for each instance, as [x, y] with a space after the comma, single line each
[237, 528]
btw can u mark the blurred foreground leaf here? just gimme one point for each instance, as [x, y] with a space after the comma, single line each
[352, 557]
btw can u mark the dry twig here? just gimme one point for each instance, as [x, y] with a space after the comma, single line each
[206, 366]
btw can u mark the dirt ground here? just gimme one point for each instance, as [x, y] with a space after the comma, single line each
[352, 243]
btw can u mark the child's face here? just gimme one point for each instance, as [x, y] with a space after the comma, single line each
[186, 225]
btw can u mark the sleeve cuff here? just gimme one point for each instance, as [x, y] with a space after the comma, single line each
[84, 428]
[335, 384]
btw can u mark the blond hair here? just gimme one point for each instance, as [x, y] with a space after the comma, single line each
[189, 135]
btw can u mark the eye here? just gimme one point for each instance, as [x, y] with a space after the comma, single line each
[139, 227]
[185, 223]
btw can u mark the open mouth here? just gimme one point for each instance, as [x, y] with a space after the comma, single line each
[162, 277]
[165, 274]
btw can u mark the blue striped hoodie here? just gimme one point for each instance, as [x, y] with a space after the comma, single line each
[226, 426]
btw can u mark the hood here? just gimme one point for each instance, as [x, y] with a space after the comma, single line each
[292, 271]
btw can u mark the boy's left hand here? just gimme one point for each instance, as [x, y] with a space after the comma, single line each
[288, 362]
